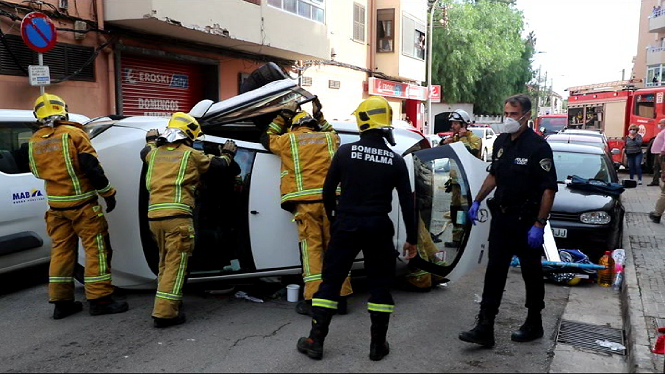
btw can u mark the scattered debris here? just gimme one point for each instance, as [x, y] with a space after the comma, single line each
[244, 295]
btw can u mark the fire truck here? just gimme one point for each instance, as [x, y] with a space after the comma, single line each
[612, 107]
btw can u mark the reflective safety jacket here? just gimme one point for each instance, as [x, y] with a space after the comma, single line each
[174, 174]
[306, 155]
[64, 158]
[472, 142]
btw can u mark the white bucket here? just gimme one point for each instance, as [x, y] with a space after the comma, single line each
[292, 292]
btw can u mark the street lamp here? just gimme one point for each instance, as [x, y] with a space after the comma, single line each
[430, 116]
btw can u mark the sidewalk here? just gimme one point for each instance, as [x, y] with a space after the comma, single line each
[643, 292]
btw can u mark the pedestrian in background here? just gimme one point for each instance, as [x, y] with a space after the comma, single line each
[522, 171]
[174, 174]
[305, 146]
[660, 203]
[634, 152]
[656, 146]
[61, 154]
[368, 171]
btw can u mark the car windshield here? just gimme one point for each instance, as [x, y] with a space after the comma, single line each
[478, 132]
[585, 165]
[553, 124]
[595, 144]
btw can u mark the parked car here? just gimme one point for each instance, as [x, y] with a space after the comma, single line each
[488, 136]
[594, 141]
[24, 241]
[550, 123]
[589, 221]
[241, 230]
[596, 133]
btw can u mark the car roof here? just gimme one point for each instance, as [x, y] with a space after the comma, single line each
[576, 148]
[559, 137]
[553, 115]
[25, 115]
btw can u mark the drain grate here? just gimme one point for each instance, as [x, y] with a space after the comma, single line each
[584, 335]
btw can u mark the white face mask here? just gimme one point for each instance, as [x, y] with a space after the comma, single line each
[509, 125]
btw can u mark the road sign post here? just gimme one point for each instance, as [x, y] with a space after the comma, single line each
[39, 34]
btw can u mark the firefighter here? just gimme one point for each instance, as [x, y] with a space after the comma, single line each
[459, 121]
[306, 149]
[173, 174]
[368, 171]
[61, 154]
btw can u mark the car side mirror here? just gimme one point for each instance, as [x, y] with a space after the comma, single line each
[629, 183]
[542, 129]
[615, 151]
[488, 136]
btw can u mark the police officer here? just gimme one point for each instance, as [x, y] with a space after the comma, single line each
[368, 171]
[306, 145]
[60, 153]
[523, 174]
[174, 174]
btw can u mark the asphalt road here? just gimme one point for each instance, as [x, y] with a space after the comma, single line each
[227, 334]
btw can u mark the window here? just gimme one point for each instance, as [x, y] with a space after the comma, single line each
[413, 38]
[63, 60]
[358, 22]
[386, 30]
[645, 106]
[14, 138]
[311, 9]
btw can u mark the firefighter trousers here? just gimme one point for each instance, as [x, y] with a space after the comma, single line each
[351, 234]
[314, 235]
[65, 227]
[427, 250]
[175, 240]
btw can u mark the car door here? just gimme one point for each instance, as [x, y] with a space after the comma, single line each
[447, 178]
[23, 237]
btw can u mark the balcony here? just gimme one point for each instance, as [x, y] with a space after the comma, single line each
[239, 24]
[657, 21]
[655, 56]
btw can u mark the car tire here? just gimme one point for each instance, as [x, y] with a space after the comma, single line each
[267, 73]
[79, 272]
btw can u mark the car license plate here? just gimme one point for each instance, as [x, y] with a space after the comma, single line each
[559, 233]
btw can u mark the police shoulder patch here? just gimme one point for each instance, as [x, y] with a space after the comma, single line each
[546, 164]
[500, 153]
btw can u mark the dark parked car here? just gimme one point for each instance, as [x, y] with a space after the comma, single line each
[589, 221]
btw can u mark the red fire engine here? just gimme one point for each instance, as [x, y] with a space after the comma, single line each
[612, 107]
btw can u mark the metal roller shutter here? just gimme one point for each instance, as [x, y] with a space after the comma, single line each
[153, 87]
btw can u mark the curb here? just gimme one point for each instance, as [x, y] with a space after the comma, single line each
[632, 310]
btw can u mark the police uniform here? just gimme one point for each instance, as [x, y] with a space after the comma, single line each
[523, 169]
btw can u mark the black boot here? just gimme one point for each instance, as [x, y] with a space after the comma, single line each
[66, 308]
[167, 322]
[483, 333]
[532, 328]
[304, 307]
[313, 345]
[106, 305]
[379, 348]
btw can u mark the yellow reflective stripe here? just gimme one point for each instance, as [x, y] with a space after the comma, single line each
[60, 279]
[68, 163]
[33, 165]
[105, 189]
[313, 191]
[325, 126]
[151, 164]
[72, 198]
[181, 177]
[180, 279]
[385, 308]
[296, 161]
[160, 206]
[168, 296]
[284, 173]
[324, 303]
[304, 250]
[101, 249]
[101, 278]
[312, 278]
[274, 128]
[331, 148]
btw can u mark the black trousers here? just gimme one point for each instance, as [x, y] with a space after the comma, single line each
[349, 235]
[508, 237]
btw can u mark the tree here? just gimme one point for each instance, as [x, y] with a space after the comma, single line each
[479, 55]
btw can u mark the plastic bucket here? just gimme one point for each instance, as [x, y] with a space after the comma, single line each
[292, 292]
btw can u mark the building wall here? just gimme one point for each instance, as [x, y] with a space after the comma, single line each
[644, 40]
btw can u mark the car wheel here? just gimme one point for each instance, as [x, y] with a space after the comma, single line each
[79, 272]
[265, 74]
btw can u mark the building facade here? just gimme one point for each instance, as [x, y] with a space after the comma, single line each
[156, 57]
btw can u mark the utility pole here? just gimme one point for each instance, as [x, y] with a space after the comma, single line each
[430, 118]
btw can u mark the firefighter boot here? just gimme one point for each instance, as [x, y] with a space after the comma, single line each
[483, 333]
[313, 345]
[66, 308]
[532, 328]
[378, 347]
[106, 305]
[167, 322]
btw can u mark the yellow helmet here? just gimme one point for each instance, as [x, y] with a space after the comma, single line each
[48, 105]
[302, 118]
[187, 124]
[374, 113]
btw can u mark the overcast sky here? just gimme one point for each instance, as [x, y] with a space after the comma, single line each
[584, 41]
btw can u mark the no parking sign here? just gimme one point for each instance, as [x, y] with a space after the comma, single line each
[38, 32]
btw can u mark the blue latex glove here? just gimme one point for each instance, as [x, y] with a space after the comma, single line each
[536, 236]
[473, 212]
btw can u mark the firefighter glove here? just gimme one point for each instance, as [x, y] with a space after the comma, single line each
[289, 110]
[110, 203]
[316, 108]
[473, 212]
[536, 236]
[229, 148]
[152, 135]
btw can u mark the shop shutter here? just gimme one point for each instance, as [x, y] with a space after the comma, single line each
[153, 87]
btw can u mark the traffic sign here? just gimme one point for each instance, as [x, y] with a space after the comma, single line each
[39, 75]
[38, 32]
